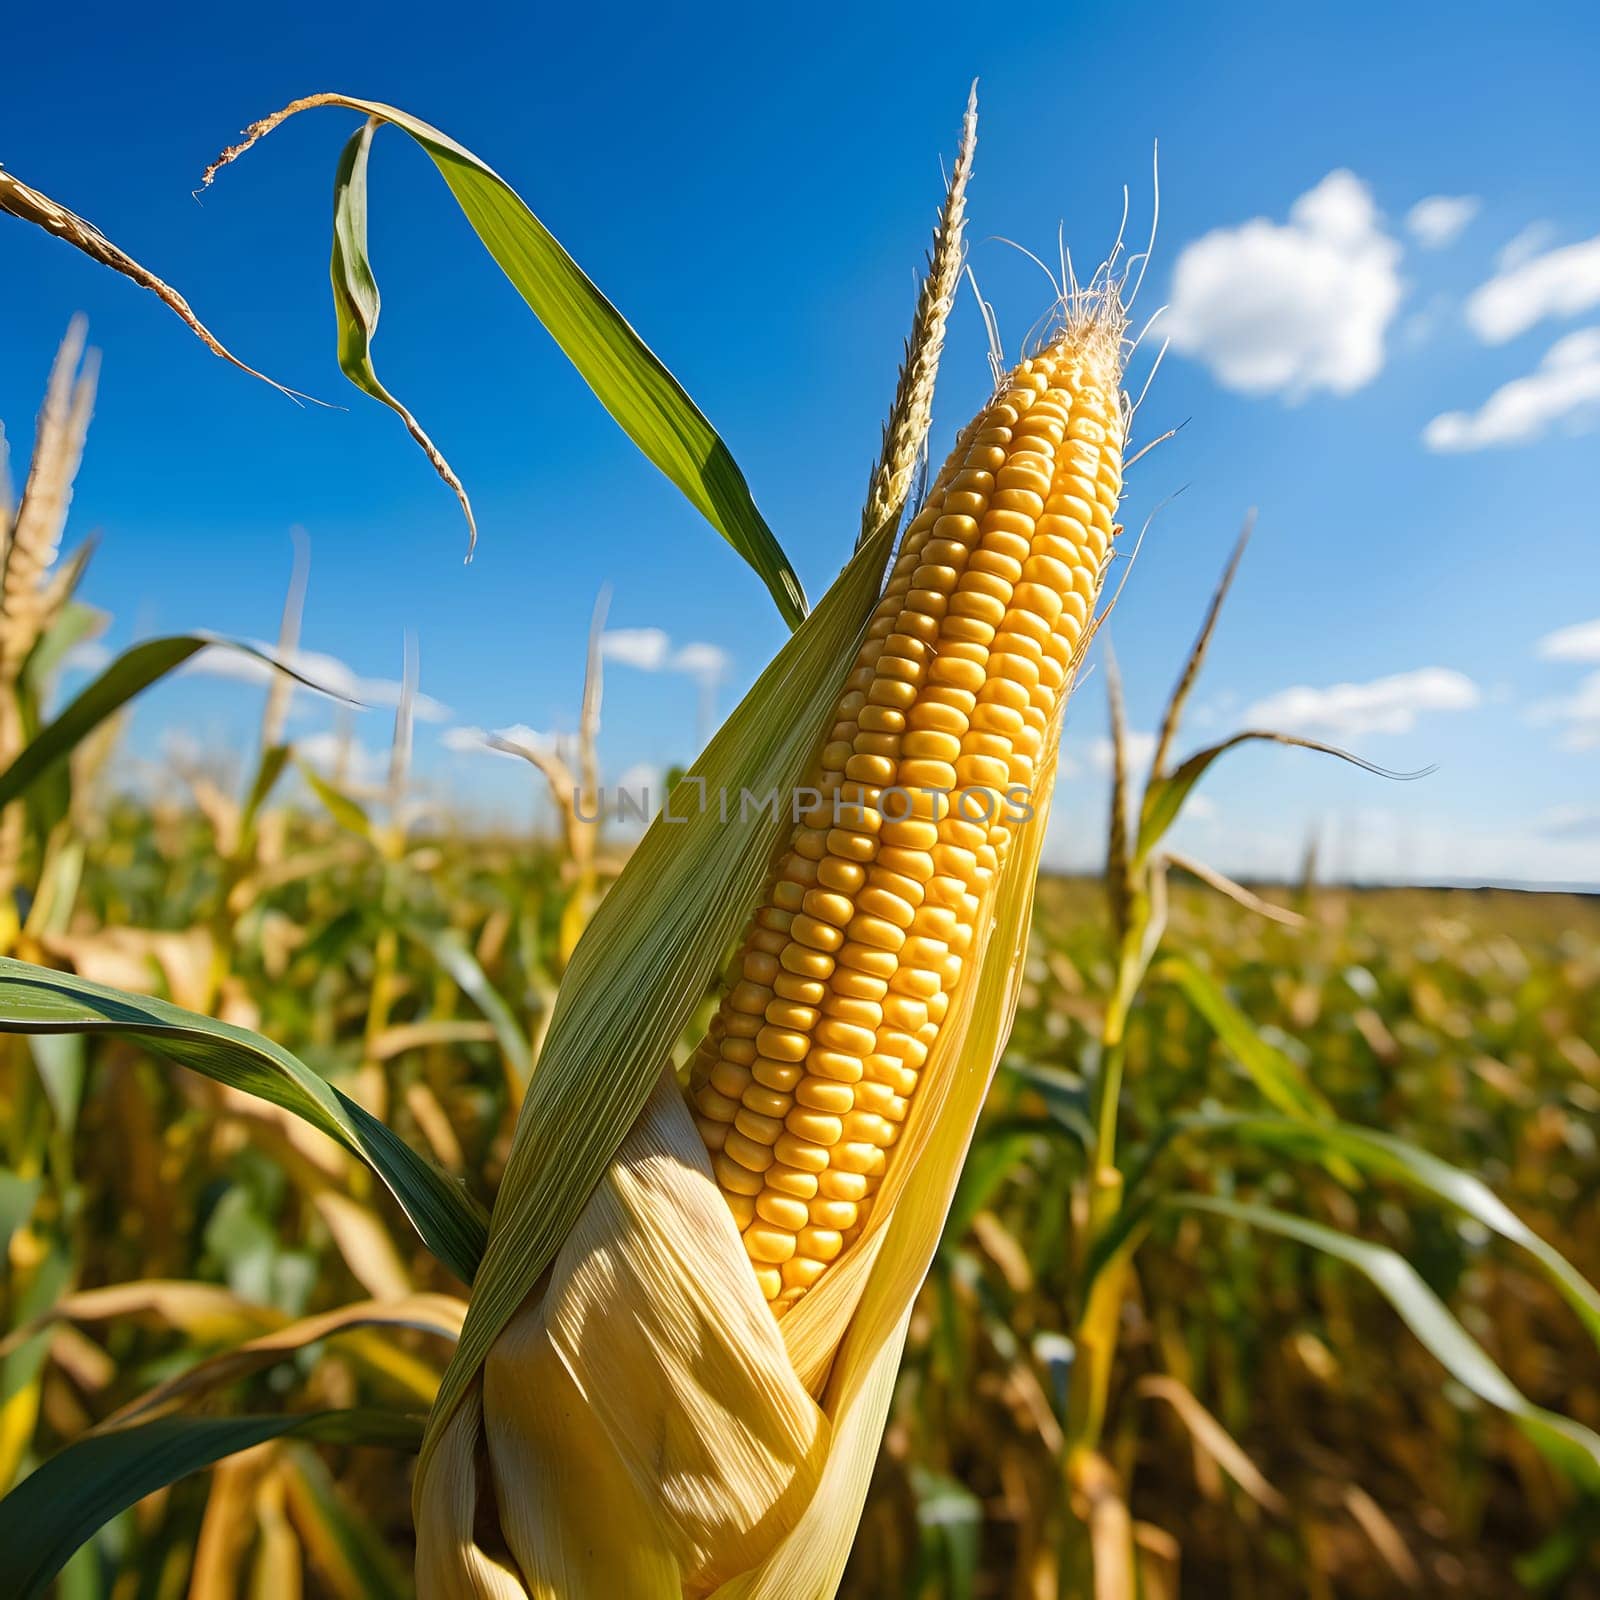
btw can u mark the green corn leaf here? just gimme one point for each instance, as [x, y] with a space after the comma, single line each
[1381, 1155]
[654, 945]
[345, 1547]
[995, 1154]
[59, 1059]
[439, 1315]
[81, 1488]
[37, 1000]
[1568, 1444]
[1278, 1078]
[356, 302]
[450, 951]
[644, 398]
[75, 623]
[345, 811]
[268, 770]
[1196, 658]
[1164, 796]
[1065, 1097]
[130, 674]
[950, 1521]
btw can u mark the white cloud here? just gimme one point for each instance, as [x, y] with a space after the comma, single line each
[701, 660]
[1565, 386]
[1533, 240]
[464, 739]
[332, 753]
[1385, 705]
[87, 655]
[1553, 283]
[325, 674]
[1579, 642]
[1578, 715]
[1273, 307]
[1141, 752]
[1440, 219]
[650, 650]
[644, 648]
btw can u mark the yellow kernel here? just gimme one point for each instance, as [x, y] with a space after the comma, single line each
[835, 1214]
[939, 746]
[716, 1106]
[1004, 721]
[729, 1078]
[806, 963]
[734, 1176]
[759, 967]
[982, 772]
[861, 1012]
[867, 1159]
[867, 1127]
[846, 1036]
[790, 1014]
[962, 674]
[783, 1211]
[801, 1153]
[923, 774]
[815, 1127]
[870, 768]
[966, 630]
[896, 1074]
[818, 1094]
[881, 1099]
[851, 845]
[870, 959]
[758, 1129]
[791, 1180]
[799, 1273]
[768, 1244]
[782, 1044]
[843, 876]
[905, 1011]
[855, 985]
[883, 903]
[835, 1065]
[892, 692]
[712, 1133]
[780, 1075]
[750, 998]
[815, 934]
[878, 932]
[836, 1184]
[829, 907]
[820, 1244]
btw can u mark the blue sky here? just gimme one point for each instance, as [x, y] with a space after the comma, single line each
[754, 189]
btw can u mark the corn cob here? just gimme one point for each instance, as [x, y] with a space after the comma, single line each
[836, 997]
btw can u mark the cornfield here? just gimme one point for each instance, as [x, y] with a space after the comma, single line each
[821, 1201]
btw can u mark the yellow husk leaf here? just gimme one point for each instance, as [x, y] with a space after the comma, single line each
[810, 1562]
[646, 1432]
[643, 1419]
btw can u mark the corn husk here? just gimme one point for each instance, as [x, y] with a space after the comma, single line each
[642, 1425]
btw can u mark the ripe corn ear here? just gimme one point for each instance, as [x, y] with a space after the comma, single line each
[806, 1076]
